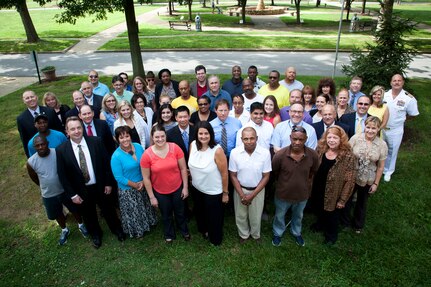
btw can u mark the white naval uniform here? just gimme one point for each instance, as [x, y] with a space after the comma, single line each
[404, 104]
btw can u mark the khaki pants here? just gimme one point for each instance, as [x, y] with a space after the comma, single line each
[248, 217]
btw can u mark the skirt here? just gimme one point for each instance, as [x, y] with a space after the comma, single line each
[137, 214]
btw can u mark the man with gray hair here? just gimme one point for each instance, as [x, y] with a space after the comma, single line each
[215, 93]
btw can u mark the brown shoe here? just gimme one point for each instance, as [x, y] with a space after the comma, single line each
[242, 240]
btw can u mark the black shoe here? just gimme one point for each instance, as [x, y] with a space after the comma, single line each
[97, 242]
[121, 236]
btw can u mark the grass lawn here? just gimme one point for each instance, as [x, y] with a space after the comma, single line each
[392, 251]
[13, 38]
[234, 42]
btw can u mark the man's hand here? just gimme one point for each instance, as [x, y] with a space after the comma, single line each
[77, 199]
[108, 190]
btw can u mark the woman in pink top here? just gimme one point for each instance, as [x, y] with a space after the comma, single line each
[165, 178]
[272, 112]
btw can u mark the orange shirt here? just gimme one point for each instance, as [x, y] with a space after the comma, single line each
[165, 172]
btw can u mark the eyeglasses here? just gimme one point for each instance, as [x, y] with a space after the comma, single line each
[203, 104]
[111, 101]
[296, 112]
[150, 80]
[299, 129]
[93, 77]
[363, 104]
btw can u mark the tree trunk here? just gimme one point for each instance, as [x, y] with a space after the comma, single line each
[298, 12]
[30, 31]
[204, 4]
[132, 32]
[363, 6]
[317, 3]
[260, 5]
[170, 8]
[243, 4]
[190, 10]
[388, 8]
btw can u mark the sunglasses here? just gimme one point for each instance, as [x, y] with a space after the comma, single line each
[363, 104]
[203, 104]
[93, 77]
[150, 80]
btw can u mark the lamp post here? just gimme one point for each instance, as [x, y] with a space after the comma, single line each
[338, 40]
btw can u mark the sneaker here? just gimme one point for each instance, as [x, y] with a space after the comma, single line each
[276, 240]
[358, 231]
[83, 230]
[63, 236]
[299, 240]
[387, 178]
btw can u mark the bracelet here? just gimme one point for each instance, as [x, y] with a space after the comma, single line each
[375, 184]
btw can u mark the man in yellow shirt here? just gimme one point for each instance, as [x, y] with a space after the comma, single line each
[185, 99]
[274, 88]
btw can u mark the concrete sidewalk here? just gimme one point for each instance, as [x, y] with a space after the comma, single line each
[11, 84]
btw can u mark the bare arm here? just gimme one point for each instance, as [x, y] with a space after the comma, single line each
[221, 162]
[263, 181]
[236, 184]
[379, 173]
[183, 169]
[277, 120]
[32, 174]
[146, 173]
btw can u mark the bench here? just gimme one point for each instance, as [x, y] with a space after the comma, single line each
[367, 25]
[233, 12]
[187, 24]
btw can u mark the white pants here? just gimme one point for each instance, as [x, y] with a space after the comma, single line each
[248, 217]
[393, 138]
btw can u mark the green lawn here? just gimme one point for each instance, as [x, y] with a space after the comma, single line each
[48, 44]
[392, 251]
[46, 26]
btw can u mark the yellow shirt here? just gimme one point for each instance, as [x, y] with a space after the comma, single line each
[191, 103]
[377, 112]
[281, 94]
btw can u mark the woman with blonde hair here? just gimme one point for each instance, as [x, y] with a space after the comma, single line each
[334, 181]
[140, 87]
[370, 152]
[378, 108]
[138, 128]
[342, 106]
[50, 100]
[109, 111]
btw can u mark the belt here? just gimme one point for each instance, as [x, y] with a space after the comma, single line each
[248, 188]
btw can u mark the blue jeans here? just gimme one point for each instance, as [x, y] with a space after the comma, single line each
[281, 207]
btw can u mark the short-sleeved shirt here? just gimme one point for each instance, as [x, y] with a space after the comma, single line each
[127, 96]
[165, 172]
[404, 104]
[264, 134]
[293, 177]
[55, 138]
[249, 168]
[295, 85]
[281, 94]
[101, 89]
[281, 134]
[247, 102]
[191, 103]
[46, 170]
[368, 157]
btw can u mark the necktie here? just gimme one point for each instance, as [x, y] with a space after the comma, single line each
[224, 138]
[83, 164]
[35, 114]
[359, 126]
[186, 140]
[89, 131]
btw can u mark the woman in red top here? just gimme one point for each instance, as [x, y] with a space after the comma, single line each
[165, 178]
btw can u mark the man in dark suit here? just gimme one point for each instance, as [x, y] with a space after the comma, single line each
[25, 121]
[175, 135]
[95, 101]
[78, 100]
[96, 127]
[356, 120]
[328, 120]
[183, 134]
[84, 170]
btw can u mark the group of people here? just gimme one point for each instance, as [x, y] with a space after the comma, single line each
[149, 146]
